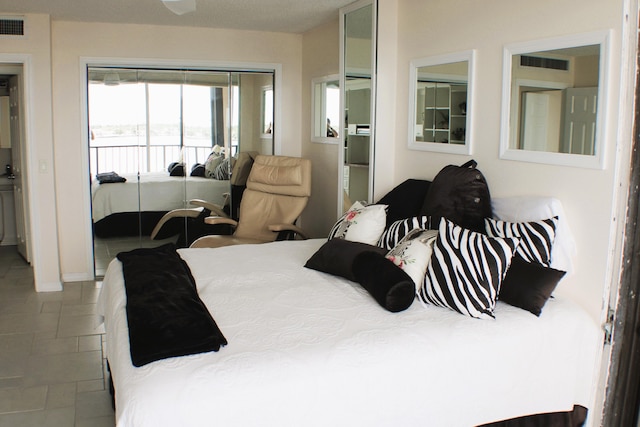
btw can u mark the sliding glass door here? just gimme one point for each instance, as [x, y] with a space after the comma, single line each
[160, 138]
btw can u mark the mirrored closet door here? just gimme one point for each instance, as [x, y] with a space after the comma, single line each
[159, 138]
[357, 82]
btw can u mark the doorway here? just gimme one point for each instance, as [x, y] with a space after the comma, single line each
[13, 182]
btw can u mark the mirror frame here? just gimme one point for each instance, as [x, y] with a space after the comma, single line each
[314, 112]
[595, 161]
[414, 64]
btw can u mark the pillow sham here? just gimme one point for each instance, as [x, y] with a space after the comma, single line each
[536, 237]
[528, 285]
[360, 223]
[389, 285]
[413, 253]
[399, 229]
[336, 257]
[466, 270]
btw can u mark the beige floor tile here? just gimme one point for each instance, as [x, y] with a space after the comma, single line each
[25, 323]
[62, 417]
[54, 346]
[16, 344]
[80, 325]
[63, 368]
[77, 309]
[23, 399]
[93, 404]
[61, 396]
[90, 343]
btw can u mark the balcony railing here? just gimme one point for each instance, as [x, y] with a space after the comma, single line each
[152, 158]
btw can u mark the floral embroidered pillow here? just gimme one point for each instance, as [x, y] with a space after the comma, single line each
[361, 223]
[413, 252]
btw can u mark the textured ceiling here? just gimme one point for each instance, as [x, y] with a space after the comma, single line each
[292, 16]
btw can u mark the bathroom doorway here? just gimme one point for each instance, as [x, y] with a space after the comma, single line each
[13, 183]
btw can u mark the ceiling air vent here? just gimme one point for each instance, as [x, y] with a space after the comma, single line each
[11, 26]
[548, 63]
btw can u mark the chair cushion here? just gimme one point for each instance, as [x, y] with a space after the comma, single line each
[290, 176]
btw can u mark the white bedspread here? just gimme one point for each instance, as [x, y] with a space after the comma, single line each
[158, 192]
[309, 349]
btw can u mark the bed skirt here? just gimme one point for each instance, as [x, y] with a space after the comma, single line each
[127, 224]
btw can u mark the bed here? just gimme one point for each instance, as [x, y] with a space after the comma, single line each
[117, 207]
[309, 348]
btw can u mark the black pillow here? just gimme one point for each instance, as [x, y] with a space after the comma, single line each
[387, 283]
[528, 285]
[197, 169]
[176, 169]
[405, 200]
[336, 257]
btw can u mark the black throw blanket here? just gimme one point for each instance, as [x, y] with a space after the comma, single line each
[166, 316]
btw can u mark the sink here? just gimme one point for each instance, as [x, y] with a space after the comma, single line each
[6, 184]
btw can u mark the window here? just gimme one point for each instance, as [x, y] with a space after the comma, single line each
[267, 112]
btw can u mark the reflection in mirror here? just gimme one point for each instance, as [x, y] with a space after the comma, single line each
[441, 90]
[266, 111]
[552, 95]
[165, 137]
[357, 123]
[325, 109]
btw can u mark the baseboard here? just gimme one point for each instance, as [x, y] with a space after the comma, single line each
[77, 277]
[49, 287]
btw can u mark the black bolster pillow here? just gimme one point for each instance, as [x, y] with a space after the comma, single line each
[386, 282]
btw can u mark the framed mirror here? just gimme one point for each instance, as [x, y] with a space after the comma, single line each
[554, 100]
[325, 109]
[440, 100]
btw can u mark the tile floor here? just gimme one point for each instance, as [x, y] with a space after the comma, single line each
[52, 349]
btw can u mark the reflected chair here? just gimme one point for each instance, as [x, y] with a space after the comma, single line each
[278, 188]
[189, 223]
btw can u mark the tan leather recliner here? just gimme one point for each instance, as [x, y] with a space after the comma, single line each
[277, 192]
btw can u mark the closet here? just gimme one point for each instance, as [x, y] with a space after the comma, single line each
[167, 136]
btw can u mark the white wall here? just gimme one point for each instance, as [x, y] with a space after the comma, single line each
[73, 42]
[448, 26]
[320, 57]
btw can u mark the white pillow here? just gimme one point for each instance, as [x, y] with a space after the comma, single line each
[361, 223]
[413, 252]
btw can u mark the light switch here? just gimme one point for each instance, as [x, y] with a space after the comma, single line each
[43, 166]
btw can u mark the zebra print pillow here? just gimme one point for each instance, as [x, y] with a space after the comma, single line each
[536, 237]
[466, 270]
[398, 229]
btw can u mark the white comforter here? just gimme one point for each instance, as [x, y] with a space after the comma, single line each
[158, 191]
[309, 349]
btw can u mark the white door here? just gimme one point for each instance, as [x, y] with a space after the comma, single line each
[20, 199]
[580, 120]
[534, 121]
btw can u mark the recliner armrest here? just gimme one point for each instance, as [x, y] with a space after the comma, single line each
[215, 209]
[288, 227]
[213, 220]
[176, 213]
